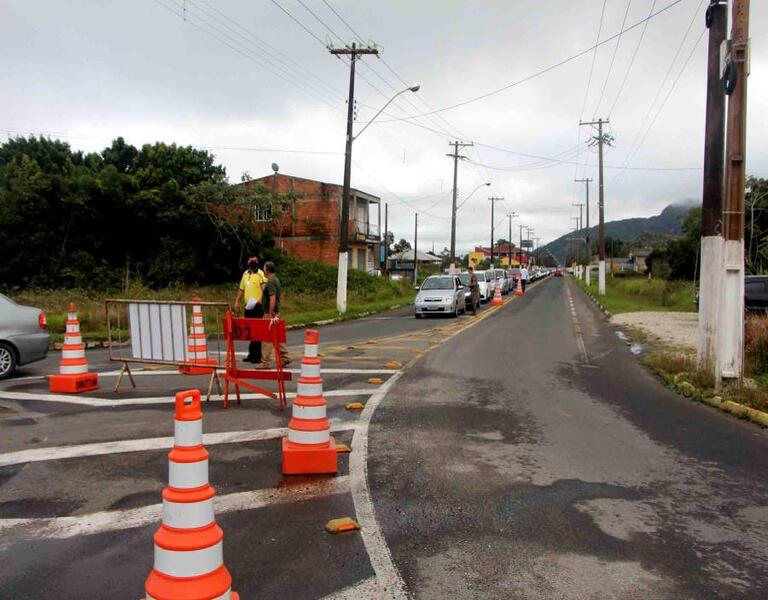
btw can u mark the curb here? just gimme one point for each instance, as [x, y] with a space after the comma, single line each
[736, 409]
[595, 300]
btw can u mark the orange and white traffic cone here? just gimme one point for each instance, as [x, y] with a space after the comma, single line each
[309, 447]
[73, 376]
[189, 559]
[497, 300]
[197, 346]
[519, 289]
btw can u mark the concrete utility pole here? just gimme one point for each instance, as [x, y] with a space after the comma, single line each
[510, 216]
[415, 248]
[580, 222]
[521, 245]
[493, 200]
[586, 181]
[341, 285]
[386, 240]
[712, 244]
[731, 351]
[600, 139]
[456, 156]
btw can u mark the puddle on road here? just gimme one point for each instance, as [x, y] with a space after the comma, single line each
[635, 348]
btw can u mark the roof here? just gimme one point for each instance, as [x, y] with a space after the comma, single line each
[407, 255]
[361, 193]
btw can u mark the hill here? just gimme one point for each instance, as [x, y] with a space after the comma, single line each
[643, 229]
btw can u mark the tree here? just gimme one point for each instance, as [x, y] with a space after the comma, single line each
[401, 246]
[756, 234]
[389, 239]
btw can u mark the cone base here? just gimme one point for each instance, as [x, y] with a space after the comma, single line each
[73, 384]
[518, 293]
[309, 460]
[213, 585]
[497, 302]
[198, 370]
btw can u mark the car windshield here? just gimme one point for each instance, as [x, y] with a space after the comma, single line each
[437, 283]
[480, 275]
[464, 278]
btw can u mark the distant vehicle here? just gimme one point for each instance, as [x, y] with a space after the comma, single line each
[485, 286]
[23, 336]
[503, 279]
[440, 294]
[756, 292]
[558, 272]
[464, 278]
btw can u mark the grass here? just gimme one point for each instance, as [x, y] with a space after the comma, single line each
[298, 307]
[638, 293]
[680, 372]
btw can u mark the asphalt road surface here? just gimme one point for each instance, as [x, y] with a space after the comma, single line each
[522, 453]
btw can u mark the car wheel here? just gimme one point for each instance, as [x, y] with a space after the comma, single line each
[417, 316]
[7, 361]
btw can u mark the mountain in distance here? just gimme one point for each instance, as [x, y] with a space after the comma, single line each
[666, 224]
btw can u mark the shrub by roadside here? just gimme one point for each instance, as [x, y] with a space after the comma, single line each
[626, 293]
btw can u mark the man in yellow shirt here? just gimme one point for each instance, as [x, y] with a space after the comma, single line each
[251, 290]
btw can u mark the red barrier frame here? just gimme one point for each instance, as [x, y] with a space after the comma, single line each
[254, 330]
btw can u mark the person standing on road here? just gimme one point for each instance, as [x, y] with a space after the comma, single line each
[251, 290]
[271, 305]
[474, 290]
[523, 277]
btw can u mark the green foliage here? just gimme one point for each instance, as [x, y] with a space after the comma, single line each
[629, 294]
[756, 344]
[678, 258]
[756, 235]
[401, 246]
[160, 214]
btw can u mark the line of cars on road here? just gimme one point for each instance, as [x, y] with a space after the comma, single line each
[450, 294]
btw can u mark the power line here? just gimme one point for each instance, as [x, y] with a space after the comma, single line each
[613, 58]
[631, 62]
[594, 57]
[546, 69]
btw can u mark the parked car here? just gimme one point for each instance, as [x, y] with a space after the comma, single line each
[485, 286]
[756, 292]
[501, 276]
[23, 336]
[440, 294]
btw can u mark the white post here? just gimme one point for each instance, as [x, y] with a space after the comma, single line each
[731, 330]
[341, 283]
[601, 278]
[710, 284]
[588, 274]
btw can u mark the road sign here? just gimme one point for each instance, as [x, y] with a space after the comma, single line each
[527, 244]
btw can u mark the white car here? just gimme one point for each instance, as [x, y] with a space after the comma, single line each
[440, 294]
[486, 291]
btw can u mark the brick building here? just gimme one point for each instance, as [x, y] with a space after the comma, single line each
[309, 228]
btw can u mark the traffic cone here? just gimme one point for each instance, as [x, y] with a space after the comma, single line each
[73, 377]
[309, 447]
[189, 560]
[197, 346]
[519, 289]
[497, 301]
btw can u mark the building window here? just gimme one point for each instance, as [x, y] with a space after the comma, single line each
[262, 213]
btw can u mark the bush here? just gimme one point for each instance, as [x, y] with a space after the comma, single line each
[756, 344]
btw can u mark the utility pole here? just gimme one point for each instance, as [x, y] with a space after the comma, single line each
[456, 156]
[712, 243]
[493, 200]
[538, 250]
[386, 239]
[415, 248]
[341, 284]
[600, 140]
[521, 245]
[731, 351]
[580, 223]
[511, 216]
[586, 181]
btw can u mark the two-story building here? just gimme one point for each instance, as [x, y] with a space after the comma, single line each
[309, 228]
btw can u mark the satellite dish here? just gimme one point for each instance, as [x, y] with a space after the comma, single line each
[275, 168]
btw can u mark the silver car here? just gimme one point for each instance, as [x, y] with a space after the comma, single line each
[23, 335]
[440, 294]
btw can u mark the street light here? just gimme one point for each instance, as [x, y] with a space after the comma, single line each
[341, 281]
[470, 195]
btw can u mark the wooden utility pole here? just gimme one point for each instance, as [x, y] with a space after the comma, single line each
[521, 246]
[493, 200]
[386, 239]
[511, 216]
[711, 272]
[732, 300]
[600, 140]
[341, 285]
[456, 156]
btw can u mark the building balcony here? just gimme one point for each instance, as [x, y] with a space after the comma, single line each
[360, 231]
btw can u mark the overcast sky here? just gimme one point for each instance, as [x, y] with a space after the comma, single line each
[237, 74]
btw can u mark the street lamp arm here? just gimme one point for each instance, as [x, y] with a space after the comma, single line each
[414, 88]
[470, 195]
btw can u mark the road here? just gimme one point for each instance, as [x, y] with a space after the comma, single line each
[523, 453]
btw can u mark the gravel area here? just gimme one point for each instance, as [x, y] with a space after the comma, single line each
[674, 328]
